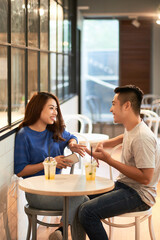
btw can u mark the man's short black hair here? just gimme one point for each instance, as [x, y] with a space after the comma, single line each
[132, 94]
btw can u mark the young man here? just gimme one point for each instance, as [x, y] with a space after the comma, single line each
[135, 188]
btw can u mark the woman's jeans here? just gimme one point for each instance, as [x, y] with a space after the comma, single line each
[56, 203]
[122, 199]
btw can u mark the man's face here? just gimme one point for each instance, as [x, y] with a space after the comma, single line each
[117, 110]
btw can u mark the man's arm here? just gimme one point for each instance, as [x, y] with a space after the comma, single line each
[143, 176]
[110, 143]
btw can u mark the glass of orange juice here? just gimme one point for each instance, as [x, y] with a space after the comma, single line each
[49, 168]
[90, 170]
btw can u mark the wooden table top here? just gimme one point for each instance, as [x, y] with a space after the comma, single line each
[65, 185]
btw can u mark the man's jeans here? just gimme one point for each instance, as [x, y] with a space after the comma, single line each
[121, 199]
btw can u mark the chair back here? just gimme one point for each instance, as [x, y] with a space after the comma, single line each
[156, 106]
[94, 106]
[78, 123]
[149, 98]
[151, 119]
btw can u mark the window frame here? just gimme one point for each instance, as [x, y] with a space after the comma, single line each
[11, 126]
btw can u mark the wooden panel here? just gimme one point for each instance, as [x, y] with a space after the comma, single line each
[135, 54]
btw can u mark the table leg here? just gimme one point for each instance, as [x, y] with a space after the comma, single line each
[65, 222]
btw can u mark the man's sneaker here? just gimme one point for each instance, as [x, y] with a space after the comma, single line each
[56, 235]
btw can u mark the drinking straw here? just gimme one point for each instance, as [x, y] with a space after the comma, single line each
[49, 161]
[49, 152]
[91, 154]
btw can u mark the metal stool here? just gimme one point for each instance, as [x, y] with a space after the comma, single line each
[32, 214]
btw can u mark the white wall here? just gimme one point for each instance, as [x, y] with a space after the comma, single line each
[12, 200]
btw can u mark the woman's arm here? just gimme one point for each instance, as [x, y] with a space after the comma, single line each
[30, 169]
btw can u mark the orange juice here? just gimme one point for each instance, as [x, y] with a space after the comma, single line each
[49, 168]
[90, 170]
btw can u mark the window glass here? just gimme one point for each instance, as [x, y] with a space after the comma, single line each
[53, 73]
[3, 84]
[18, 22]
[69, 36]
[18, 84]
[65, 2]
[66, 32]
[60, 28]
[32, 73]
[59, 1]
[3, 20]
[60, 76]
[101, 64]
[44, 72]
[52, 26]
[32, 23]
[43, 12]
[66, 75]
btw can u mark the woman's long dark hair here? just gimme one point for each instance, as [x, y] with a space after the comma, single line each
[33, 111]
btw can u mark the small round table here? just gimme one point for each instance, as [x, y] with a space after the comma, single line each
[65, 185]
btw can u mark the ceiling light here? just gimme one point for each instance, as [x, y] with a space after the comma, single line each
[158, 13]
[158, 21]
[136, 23]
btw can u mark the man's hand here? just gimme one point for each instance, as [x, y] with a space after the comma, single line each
[101, 154]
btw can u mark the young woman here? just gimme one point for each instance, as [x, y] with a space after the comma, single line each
[42, 133]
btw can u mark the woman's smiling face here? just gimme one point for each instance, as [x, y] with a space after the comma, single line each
[49, 112]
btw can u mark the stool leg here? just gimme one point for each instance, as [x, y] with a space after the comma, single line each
[137, 228]
[151, 229]
[29, 227]
[34, 227]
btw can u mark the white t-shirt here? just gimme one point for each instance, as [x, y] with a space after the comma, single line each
[141, 149]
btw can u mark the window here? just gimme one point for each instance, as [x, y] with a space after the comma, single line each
[35, 50]
[100, 66]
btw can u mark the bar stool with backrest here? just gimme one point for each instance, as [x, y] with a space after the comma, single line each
[33, 213]
[138, 217]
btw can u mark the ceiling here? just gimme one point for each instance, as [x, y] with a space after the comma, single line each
[119, 8]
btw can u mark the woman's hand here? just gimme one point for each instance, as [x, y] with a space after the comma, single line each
[78, 148]
[62, 163]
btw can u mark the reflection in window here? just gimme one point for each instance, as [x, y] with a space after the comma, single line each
[66, 75]
[66, 32]
[53, 73]
[59, 77]
[18, 22]
[53, 32]
[3, 84]
[18, 83]
[60, 28]
[43, 12]
[33, 23]
[3, 20]
[32, 73]
[44, 72]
